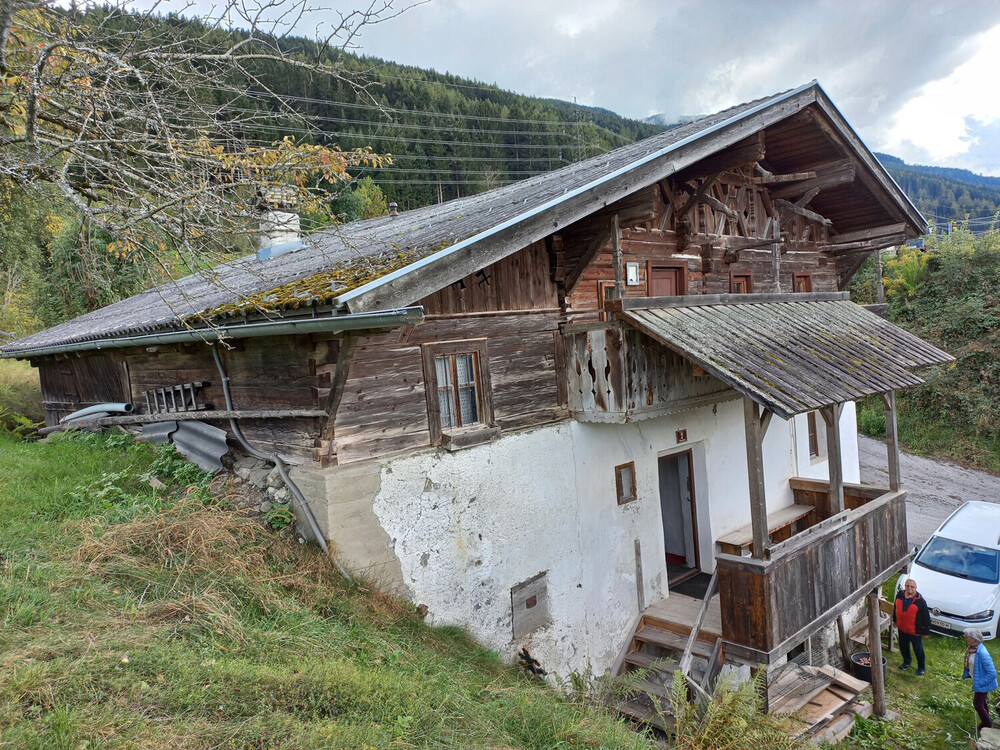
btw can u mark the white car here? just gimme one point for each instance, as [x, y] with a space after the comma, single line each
[958, 571]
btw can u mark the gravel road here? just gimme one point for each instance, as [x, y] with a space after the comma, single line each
[934, 488]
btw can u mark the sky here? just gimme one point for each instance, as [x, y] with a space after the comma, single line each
[915, 78]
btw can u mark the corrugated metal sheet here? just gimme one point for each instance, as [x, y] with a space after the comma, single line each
[202, 444]
[158, 432]
[792, 356]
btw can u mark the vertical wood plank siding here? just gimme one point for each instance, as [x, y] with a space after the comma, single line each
[616, 374]
[771, 605]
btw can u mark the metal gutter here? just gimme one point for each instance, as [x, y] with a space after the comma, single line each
[375, 284]
[353, 322]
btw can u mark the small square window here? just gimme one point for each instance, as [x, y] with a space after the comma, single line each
[802, 283]
[741, 283]
[625, 482]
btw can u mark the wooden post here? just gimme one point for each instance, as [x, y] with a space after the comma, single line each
[619, 275]
[892, 438]
[845, 652]
[875, 651]
[879, 286]
[834, 459]
[755, 472]
[776, 254]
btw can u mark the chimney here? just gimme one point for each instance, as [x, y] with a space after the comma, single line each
[393, 209]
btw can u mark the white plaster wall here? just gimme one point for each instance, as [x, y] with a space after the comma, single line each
[811, 468]
[469, 525]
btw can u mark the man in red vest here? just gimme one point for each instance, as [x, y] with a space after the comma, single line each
[914, 623]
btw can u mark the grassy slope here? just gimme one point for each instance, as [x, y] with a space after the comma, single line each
[131, 621]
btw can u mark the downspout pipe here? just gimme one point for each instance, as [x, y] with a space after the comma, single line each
[275, 459]
[98, 409]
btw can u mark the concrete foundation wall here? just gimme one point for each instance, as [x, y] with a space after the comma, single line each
[456, 531]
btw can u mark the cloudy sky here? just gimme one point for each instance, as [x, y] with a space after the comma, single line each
[917, 79]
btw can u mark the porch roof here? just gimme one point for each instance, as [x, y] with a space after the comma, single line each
[789, 353]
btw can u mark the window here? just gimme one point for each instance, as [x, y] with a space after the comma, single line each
[802, 282]
[625, 482]
[741, 283]
[458, 401]
[605, 293]
[458, 387]
[813, 435]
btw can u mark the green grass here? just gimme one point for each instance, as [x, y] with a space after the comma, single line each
[136, 618]
[935, 709]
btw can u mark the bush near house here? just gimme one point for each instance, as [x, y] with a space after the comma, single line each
[20, 395]
[948, 295]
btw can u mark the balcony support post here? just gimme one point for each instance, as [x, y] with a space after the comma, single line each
[875, 651]
[756, 425]
[892, 438]
[834, 458]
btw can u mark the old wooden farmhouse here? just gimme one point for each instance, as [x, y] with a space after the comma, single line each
[539, 409]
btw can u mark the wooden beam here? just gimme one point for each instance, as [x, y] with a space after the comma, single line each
[880, 281]
[344, 357]
[718, 205]
[834, 457]
[892, 438]
[875, 651]
[827, 176]
[747, 151]
[766, 178]
[616, 237]
[846, 277]
[698, 195]
[603, 237]
[804, 212]
[863, 246]
[869, 234]
[755, 472]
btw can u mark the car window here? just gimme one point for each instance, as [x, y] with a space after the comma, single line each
[961, 559]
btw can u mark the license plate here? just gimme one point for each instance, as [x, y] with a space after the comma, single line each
[939, 623]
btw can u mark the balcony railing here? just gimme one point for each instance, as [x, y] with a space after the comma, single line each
[618, 374]
[770, 606]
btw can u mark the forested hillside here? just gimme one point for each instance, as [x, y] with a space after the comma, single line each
[945, 195]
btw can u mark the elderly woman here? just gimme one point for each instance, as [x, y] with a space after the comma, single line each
[979, 666]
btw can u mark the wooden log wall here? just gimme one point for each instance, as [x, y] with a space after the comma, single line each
[265, 373]
[770, 606]
[709, 239]
[513, 304]
[71, 382]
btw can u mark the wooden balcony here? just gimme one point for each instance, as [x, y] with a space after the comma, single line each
[769, 606]
[617, 374]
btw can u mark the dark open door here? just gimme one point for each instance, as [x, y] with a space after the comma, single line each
[680, 521]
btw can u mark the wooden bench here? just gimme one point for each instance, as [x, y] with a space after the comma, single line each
[780, 525]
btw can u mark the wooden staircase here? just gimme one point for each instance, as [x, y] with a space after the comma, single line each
[678, 634]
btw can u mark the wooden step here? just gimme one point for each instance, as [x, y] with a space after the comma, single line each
[673, 641]
[646, 661]
[683, 628]
[656, 689]
[646, 715]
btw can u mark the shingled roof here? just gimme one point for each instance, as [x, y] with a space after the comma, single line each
[388, 262]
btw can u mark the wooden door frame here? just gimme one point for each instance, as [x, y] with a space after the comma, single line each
[696, 569]
[667, 263]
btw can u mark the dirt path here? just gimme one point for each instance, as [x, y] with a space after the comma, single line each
[934, 488]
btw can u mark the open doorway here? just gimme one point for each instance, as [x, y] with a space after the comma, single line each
[680, 518]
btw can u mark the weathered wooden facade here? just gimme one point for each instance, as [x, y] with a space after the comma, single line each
[529, 409]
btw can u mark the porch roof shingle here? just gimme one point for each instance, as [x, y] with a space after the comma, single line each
[789, 353]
